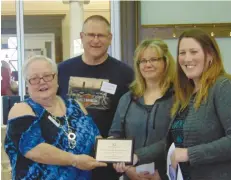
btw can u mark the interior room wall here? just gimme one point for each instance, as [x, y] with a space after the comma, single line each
[39, 9]
[163, 19]
[185, 12]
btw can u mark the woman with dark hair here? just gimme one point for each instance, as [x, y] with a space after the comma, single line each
[201, 125]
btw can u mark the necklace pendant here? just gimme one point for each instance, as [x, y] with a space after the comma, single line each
[72, 144]
[71, 136]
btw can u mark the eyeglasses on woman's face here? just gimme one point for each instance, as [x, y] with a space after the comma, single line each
[46, 78]
[152, 61]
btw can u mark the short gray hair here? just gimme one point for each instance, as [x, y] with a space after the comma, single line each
[97, 18]
[38, 58]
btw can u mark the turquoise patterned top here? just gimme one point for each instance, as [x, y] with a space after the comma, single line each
[26, 132]
[178, 139]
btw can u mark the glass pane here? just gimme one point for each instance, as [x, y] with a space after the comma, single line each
[43, 28]
[9, 74]
[9, 53]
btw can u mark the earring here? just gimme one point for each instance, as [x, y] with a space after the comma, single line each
[210, 62]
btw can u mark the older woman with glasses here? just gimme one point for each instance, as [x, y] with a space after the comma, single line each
[49, 137]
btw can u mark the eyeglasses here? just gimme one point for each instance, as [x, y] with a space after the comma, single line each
[92, 36]
[152, 60]
[46, 78]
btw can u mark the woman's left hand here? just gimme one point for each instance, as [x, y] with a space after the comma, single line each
[179, 155]
[120, 167]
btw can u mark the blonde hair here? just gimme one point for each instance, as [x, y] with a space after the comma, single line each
[184, 87]
[138, 86]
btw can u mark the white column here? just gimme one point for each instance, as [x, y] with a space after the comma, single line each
[115, 49]
[21, 48]
[76, 21]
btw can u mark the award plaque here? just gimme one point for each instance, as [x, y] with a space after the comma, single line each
[114, 150]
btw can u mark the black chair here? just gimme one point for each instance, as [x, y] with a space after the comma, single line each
[13, 100]
[5, 108]
[7, 103]
[26, 96]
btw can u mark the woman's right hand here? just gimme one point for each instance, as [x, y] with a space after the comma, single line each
[85, 162]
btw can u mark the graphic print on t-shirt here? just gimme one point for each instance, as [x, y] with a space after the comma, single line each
[87, 91]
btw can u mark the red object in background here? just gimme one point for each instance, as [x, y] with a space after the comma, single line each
[6, 79]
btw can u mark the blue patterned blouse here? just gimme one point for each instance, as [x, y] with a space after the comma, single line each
[26, 132]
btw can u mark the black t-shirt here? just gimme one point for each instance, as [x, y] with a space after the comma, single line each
[101, 106]
[82, 82]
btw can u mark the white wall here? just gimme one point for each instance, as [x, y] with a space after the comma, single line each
[172, 46]
[185, 12]
[32, 41]
[224, 45]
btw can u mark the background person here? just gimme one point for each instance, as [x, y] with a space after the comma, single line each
[5, 79]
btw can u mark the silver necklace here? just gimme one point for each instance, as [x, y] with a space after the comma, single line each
[71, 137]
[69, 133]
